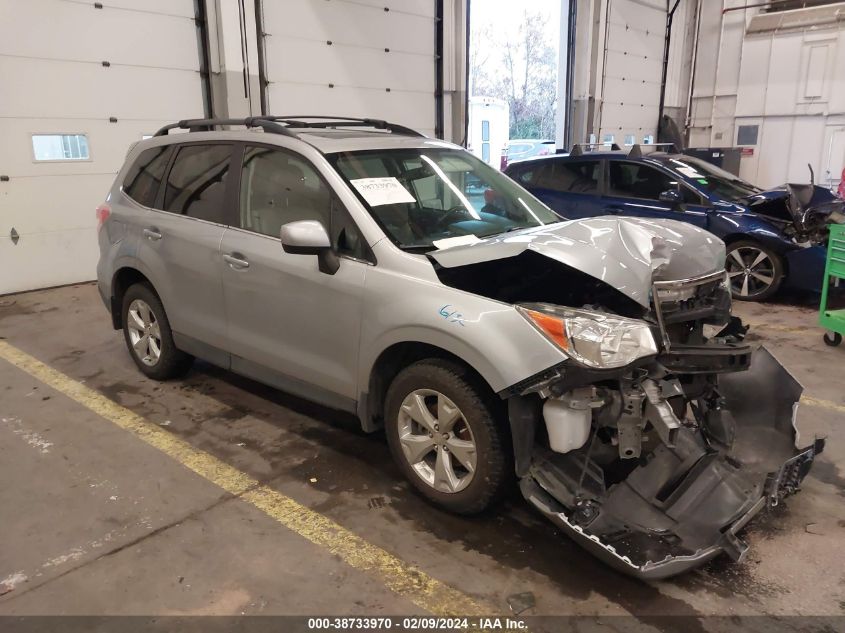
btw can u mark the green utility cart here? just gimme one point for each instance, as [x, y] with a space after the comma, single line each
[833, 320]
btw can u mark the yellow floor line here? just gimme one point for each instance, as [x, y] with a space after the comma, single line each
[824, 404]
[400, 577]
[782, 328]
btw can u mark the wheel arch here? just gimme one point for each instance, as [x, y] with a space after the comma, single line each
[776, 245]
[122, 280]
[390, 362]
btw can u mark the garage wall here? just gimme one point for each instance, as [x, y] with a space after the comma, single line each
[781, 75]
[53, 80]
[364, 58]
[619, 62]
[117, 70]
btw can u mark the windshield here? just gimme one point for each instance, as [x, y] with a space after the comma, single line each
[714, 180]
[423, 196]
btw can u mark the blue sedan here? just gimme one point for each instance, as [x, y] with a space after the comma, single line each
[774, 238]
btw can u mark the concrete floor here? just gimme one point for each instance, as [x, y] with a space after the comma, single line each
[95, 521]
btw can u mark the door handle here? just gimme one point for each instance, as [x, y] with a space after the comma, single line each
[613, 209]
[152, 234]
[236, 261]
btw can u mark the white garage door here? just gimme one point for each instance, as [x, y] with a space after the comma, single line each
[633, 66]
[66, 69]
[360, 58]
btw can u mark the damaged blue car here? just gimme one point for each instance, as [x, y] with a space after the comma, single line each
[775, 238]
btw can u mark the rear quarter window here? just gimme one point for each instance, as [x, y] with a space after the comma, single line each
[144, 178]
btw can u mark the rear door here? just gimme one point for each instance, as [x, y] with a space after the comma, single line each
[180, 246]
[569, 186]
[291, 325]
[634, 188]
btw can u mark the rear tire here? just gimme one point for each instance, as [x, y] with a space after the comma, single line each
[755, 272]
[832, 340]
[148, 336]
[446, 435]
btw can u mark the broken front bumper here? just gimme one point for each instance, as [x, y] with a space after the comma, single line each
[781, 483]
[684, 504]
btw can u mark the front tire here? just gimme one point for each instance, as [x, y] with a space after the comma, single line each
[445, 434]
[755, 272]
[148, 336]
[832, 339]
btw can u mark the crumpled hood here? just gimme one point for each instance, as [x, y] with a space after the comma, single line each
[628, 254]
[807, 206]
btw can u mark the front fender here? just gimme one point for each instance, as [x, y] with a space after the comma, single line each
[490, 336]
[733, 227]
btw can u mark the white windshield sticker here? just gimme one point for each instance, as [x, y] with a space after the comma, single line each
[379, 191]
[460, 240]
[690, 172]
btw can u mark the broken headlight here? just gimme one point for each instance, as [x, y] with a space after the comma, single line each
[594, 339]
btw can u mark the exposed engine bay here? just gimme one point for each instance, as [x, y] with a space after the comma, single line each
[664, 433]
[803, 211]
[658, 467]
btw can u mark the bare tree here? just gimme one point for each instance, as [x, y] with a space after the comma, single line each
[523, 73]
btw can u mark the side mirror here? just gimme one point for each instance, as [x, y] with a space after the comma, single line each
[309, 237]
[671, 195]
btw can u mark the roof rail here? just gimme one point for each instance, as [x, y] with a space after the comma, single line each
[207, 125]
[308, 121]
[284, 124]
[637, 152]
[578, 148]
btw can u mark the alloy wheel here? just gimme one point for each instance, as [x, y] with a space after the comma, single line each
[437, 441]
[144, 332]
[750, 270]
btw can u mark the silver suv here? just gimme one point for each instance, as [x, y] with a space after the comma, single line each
[361, 265]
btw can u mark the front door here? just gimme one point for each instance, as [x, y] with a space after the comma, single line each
[289, 324]
[634, 188]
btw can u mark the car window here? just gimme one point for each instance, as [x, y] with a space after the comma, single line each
[638, 180]
[690, 196]
[420, 196]
[278, 187]
[144, 178]
[345, 235]
[196, 184]
[713, 180]
[525, 175]
[581, 176]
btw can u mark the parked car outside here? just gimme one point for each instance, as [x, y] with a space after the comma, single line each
[774, 238]
[345, 262]
[522, 148]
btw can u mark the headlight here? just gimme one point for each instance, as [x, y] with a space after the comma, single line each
[594, 339]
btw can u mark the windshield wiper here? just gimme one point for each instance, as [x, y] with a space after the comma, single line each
[417, 247]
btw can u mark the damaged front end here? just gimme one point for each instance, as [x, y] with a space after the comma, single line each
[655, 466]
[662, 433]
[802, 211]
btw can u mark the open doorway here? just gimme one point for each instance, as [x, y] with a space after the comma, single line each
[513, 79]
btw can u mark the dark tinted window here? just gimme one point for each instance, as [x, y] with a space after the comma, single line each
[143, 180]
[581, 176]
[524, 175]
[690, 196]
[746, 135]
[637, 180]
[278, 187]
[346, 238]
[196, 184]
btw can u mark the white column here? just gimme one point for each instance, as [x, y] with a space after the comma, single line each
[233, 44]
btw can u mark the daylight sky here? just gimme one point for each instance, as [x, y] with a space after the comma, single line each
[504, 15]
